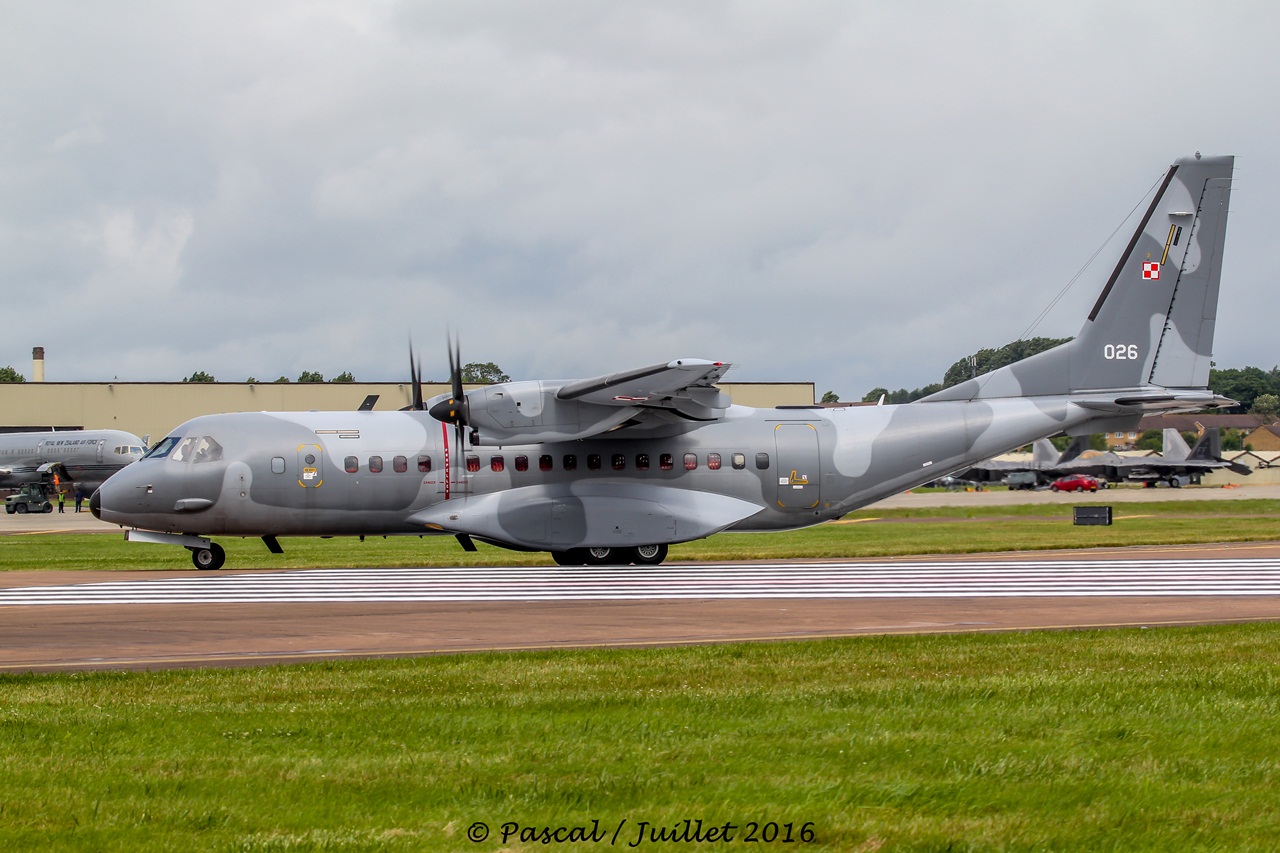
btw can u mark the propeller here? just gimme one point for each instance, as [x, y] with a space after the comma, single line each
[454, 410]
[415, 374]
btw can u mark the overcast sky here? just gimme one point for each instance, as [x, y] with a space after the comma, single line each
[853, 194]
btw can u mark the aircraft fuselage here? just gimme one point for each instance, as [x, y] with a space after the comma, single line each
[384, 473]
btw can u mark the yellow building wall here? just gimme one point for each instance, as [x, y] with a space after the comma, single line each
[154, 408]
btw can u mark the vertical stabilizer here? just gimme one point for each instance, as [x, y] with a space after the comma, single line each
[1174, 448]
[1153, 321]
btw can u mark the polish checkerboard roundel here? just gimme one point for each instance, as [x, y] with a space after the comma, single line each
[1151, 270]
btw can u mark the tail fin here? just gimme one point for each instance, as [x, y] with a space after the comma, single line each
[1074, 450]
[1044, 453]
[1153, 322]
[1174, 448]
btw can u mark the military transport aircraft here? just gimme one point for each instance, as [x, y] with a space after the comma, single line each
[615, 468]
[84, 457]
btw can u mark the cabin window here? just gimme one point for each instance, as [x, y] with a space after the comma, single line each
[666, 462]
[375, 464]
[277, 464]
[690, 461]
[522, 463]
[497, 463]
[570, 462]
[351, 464]
[713, 461]
[207, 450]
[424, 464]
[473, 464]
[593, 461]
[762, 461]
[642, 461]
[544, 462]
[183, 453]
[619, 461]
[739, 461]
[399, 464]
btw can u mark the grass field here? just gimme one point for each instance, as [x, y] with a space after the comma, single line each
[867, 533]
[1117, 740]
[1085, 740]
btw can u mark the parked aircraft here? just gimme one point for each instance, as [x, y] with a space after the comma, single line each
[617, 467]
[1177, 465]
[83, 457]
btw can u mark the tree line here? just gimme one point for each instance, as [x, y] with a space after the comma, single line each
[1254, 389]
[473, 373]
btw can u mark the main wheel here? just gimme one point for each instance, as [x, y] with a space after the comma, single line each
[21, 509]
[650, 555]
[209, 559]
[598, 556]
[48, 507]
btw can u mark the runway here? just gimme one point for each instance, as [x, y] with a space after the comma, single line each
[115, 620]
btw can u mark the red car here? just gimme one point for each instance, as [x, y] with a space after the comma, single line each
[1074, 483]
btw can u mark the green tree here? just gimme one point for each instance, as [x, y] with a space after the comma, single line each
[1266, 404]
[874, 395]
[1151, 439]
[483, 373]
[345, 376]
[987, 360]
[200, 376]
[830, 397]
[1232, 439]
[8, 374]
[251, 380]
[1244, 385]
[311, 376]
[282, 379]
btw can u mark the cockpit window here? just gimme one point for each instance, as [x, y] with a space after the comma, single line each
[163, 448]
[185, 448]
[207, 450]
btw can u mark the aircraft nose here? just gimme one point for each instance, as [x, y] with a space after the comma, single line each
[95, 504]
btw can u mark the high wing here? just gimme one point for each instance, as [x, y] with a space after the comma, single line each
[537, 412]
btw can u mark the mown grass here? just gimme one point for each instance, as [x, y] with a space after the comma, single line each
[867, 533]
[1118, 740]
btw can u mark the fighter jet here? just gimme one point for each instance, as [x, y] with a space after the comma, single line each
[615, 468]
[83, 457]
[1177, 464]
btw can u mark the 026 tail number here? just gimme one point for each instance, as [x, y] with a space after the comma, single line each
[1120, 352]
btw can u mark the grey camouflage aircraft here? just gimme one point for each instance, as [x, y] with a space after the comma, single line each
[616, 468]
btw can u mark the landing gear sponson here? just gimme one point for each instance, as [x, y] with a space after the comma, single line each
[641, 555]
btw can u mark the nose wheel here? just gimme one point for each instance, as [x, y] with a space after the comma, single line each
[208, 559]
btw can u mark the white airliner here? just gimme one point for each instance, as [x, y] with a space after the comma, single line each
[80, 458]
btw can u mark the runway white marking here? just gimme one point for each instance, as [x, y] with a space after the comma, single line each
[738, 581]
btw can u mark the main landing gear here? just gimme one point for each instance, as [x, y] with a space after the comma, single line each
[208, 559]
[642, 555]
